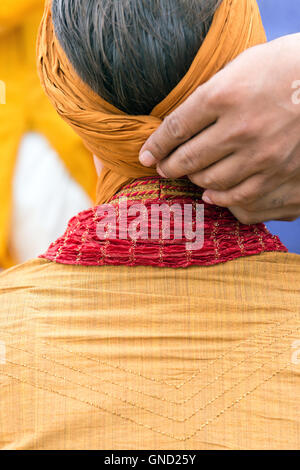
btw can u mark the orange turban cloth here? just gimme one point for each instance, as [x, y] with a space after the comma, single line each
[115, 137]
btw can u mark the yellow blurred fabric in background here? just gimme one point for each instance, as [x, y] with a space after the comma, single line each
[27, 109]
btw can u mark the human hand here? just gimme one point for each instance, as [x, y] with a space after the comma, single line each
[238, 135]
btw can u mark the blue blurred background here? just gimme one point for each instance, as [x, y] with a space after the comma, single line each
[282, 17]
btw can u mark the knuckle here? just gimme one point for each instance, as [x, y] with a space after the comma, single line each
[156, 147]
[251, 195]
[240, 197]
[220, 95]
[253, 198]
[211, 181]
[259, 161]
[208, 181]
[196, 179]
[201, 180]
[187, 160]
[252, 127]
[241, 130]
[270, 158]
[175, 127]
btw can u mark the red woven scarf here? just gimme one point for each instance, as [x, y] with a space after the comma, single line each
[225, 238]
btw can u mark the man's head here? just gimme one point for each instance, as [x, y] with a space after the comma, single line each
[132, 52]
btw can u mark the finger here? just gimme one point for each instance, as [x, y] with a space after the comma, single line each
[197, 154]
[279, 197]
[247, 192]
[283, 195]
[289, 213]
[271, 201]
[288, 219]
[190, 118]
[225, 174]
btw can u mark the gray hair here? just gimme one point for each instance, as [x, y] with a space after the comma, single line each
[132, 52]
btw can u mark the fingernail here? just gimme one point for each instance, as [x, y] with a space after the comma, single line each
[147, 159]
[160, 172]
[207, 199]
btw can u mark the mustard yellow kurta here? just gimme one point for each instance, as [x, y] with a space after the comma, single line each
[151, 358]
[28, 109]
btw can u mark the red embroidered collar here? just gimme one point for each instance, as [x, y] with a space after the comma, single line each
[224, 238]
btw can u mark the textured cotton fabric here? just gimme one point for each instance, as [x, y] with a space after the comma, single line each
[148, 358]
[141, 357]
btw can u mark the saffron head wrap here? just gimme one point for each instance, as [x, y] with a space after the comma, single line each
[115, 137]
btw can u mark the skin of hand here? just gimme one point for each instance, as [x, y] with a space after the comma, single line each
[238, 135]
